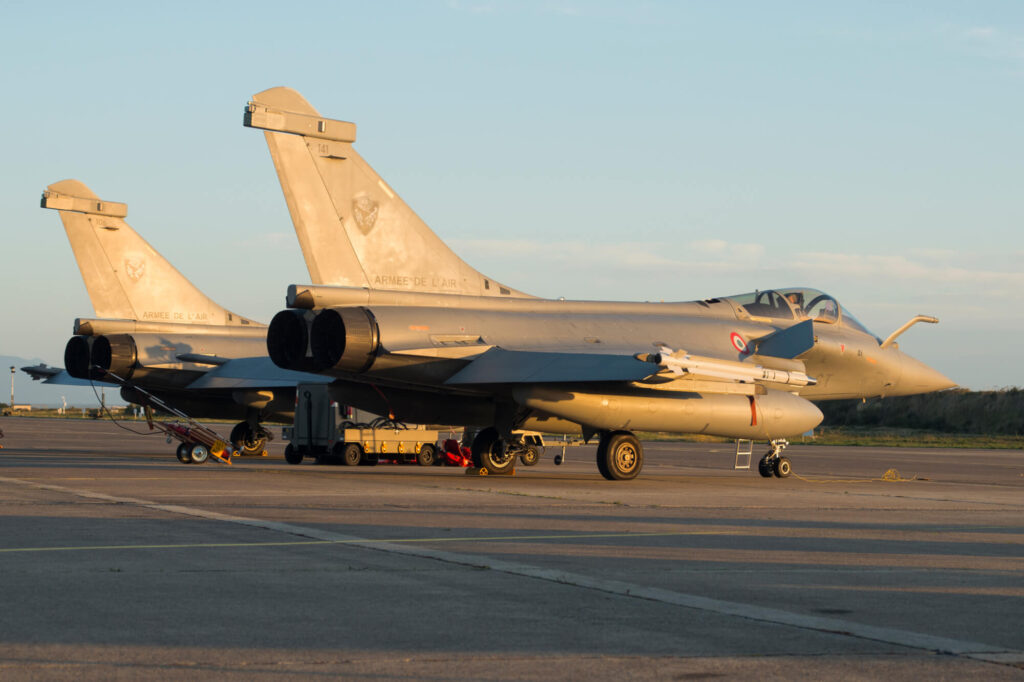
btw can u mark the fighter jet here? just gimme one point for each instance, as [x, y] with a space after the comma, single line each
[154, 329]
[409, 329]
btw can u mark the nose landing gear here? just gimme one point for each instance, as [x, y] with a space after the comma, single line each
[773, 463]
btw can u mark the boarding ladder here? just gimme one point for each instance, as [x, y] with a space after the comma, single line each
[744, 451]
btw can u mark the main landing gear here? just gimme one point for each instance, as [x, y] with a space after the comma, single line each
[250, 440]
[620, 457]
[498, 455]
[773, 463]
[491, 452]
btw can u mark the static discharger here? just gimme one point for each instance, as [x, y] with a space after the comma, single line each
[680, 363]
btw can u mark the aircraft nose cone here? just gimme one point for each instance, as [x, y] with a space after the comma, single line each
[918, 377]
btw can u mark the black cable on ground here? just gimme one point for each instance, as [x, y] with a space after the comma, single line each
[110, 415]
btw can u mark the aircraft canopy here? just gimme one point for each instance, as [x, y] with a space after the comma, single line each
[798, 304]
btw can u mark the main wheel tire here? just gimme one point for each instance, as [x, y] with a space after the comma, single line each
[199, 453]
[602, 462]
[623, 457]
[490, 452]
[783, 468]
[766, 467]
[183, 454]
[351, 454]
[248, 441]
[531, 456]
[292, 454]
[481, 441]
[427, 455]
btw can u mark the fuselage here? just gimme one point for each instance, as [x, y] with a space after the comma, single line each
[846, 360]
[402, 351]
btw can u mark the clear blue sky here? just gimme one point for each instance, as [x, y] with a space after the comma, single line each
[646, 151]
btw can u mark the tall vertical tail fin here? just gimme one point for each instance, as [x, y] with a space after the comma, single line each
[126, 277]
[353, 228]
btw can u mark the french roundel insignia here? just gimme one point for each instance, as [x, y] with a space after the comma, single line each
[738, 343]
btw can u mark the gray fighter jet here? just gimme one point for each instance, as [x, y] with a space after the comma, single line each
[409, 329]
[155, 329]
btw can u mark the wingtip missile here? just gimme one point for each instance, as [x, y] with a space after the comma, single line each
[680, 363]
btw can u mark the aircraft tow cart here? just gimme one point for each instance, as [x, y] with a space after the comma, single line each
[320, 432]
[529, 448]
[564, 442]
[368, 445]
[198, 443]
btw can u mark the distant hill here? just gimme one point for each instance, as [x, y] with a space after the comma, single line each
[952, 411]
[46, 395]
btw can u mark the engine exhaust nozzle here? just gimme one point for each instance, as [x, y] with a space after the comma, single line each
[345, 339]
[288, 341]
[76, 357]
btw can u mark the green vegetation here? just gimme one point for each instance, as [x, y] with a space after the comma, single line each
[957, 411]
[910, 438]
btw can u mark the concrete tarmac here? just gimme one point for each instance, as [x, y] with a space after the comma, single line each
[116, 561]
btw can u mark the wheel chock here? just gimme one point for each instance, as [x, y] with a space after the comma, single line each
[484, 471]
[223, 457]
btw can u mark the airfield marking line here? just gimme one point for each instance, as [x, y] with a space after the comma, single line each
[117, 478]
[428, 540]
[484, 538]
[836, 626]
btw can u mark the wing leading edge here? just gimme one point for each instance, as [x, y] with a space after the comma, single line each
[500, 366]
[254, 373]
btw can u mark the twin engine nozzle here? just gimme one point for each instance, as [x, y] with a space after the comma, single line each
[92, 357]
[344, 339]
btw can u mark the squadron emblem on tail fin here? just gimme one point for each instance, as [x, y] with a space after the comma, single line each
[364, 210]
[135, 268]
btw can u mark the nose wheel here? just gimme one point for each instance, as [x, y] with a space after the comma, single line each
[773, 463]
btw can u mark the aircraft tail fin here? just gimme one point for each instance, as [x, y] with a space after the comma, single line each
[353, 228]
[126, 277]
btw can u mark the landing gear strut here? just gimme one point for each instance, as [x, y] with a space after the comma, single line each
[620, 456]
[773, 463]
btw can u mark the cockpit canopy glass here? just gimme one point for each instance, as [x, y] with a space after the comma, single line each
[799, 304]
[767, 303]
